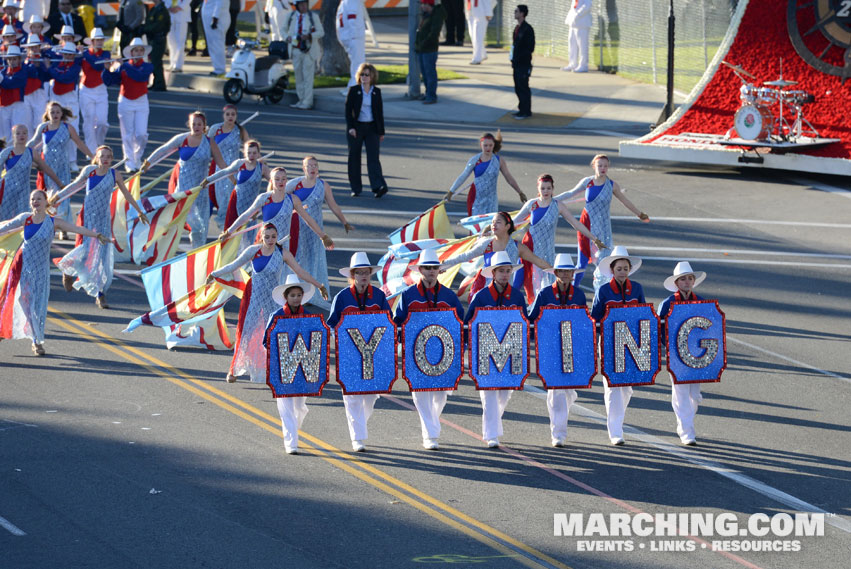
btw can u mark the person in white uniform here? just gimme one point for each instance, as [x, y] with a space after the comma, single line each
[40, 8]
[479, 13]
[94, 101]
[305, 30]
[351, 31]
[278, 11]
[579, 20]
[180, 13]
[216, 18]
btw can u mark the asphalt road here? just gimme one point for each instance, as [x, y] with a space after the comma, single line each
[115, 452]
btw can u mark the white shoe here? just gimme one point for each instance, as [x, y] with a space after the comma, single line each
[581, 70]
[475, 62]
[617, 441]
[430, 444]
[358, 446]
[690, 442]
[492, 443]
[567, 68]
[558, 443]
[296, 105]
[292, 450]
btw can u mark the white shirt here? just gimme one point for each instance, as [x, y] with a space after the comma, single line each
[366, 108]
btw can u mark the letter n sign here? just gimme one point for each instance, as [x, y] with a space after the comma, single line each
[630, 345]
[366, 353]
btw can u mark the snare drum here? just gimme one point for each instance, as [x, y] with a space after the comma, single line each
[796, 98]
[747, 94]
[753, 122]
[766, 96]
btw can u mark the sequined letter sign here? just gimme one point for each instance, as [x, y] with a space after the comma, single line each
[433, 349]
[696, 342]
[566, 347]
[630, 345]
[297, 355]
[366, 353]
[499, 349]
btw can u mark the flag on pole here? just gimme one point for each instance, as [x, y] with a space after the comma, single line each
[118, 207]
[432, 223]
[157, 242]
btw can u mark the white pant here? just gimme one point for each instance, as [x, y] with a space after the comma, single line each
[71, 101]
[493, 406]
[358, 410]
[578, 48]
[94, 110]
[685, 400]
[356, 49]
[35, 8]
[36, 104]
[216, 38]
[430, 405]
[16, 113]
[278, 22]
[176, 43]
[304, 67]
[558, 406]
[133, 119]
[292, 410]
[478, 27]
[617, 400]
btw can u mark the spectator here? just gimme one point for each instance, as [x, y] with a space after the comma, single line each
[216, 18]
[426, 46]
[305, 29]
[521, 61]
[454, 22]
[365, 125]
[351, 31]
[479, 13]
[579, 20]
[131, 14]
[66, 17]
[234, 7]
[156, 28]
[278, 11]
[194, 16]
[180, 16]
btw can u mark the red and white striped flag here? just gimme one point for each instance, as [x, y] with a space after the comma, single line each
[431, 224]
[157, 242]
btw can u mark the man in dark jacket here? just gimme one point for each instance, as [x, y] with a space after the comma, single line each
[157, 26]
[66, 16]
[426, 45]
[521, 61]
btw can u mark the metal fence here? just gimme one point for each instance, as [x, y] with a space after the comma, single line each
[629, 37]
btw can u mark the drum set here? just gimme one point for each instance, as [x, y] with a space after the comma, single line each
[771, 113]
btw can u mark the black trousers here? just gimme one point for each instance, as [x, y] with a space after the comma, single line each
[367, 135]
[230, 34]
[455, 21]
[521, 88]
[157, 52]
[195, 15]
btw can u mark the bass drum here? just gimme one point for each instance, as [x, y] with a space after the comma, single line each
[753, 122]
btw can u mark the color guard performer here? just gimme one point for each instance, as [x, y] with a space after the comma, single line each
[94, 103]
[360, 296]
[498, 293]
[17, 160]
[230, 137]
[561, 293]
[249, 173]
[428, 293]
[66, 76]
[619, 291]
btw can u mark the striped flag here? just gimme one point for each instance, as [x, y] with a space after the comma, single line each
[188, 309]
[432, 223]
[118, 207]
[155, 243]
[9, 244]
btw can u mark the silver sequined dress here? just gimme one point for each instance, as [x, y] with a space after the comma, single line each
[540, 238]
[15, 184]
[310, 252]
[229, 145]
[56, 156]
[487, 199]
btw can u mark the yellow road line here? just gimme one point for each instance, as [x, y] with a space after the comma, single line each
[168, 372]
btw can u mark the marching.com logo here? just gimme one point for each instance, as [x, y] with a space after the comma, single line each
[725, 532]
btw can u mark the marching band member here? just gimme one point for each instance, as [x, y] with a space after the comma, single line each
[497, 238]
[360, 296]
[55, 133]
[541, 236]
[133, 108]
[314, 192]
[66, 76]
[216, 19]
[485, 167]
[561, 293]
[249, 173]
[428, 293]
[479, 13]
[498, 293]
[195, 149]
[619, 291]
[17, 160]
[276, 206]
[92, 262]
[596, 215]
[13, 82]
[35, 93]
[230, 136]
[94, 103]
[180, 12]
[10, 36]
[23, 301]
[686, 397]
[35, 24]
[267, 261]
[351, 32]
[11, 9]
[292, 296]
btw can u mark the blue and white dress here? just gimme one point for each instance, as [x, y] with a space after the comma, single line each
[23, 300]
[54, 149]
[257, 305]
[278, 214]
[596, 216]
[541, 239]
[229, 144]
[194, 166]
[249, 184]
[306, 245]
[15, 185]
[484, 248]
[482, 197]
[92, 262]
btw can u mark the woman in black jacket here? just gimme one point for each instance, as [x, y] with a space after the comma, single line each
[365, 125]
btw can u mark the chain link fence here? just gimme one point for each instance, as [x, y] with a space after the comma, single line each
[629, 37]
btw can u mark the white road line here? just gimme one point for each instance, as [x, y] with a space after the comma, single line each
[844, 192]
[12, 528]
[790, 360]
[748, 262]
[725, 471]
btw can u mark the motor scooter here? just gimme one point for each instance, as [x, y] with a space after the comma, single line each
[265, 76]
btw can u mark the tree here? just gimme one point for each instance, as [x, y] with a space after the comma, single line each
[334, 61]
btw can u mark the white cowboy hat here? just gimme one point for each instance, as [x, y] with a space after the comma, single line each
[279, 293]
[682, 269]
[12, 51]
[499, 259]
[36, 20]
[562, 262]
[67, 31]
[619, 252]
[428, 258]
[9, 30]
[33, 41]
[359, 261]
[68, 48]
[96, 34]
[11, 4]
[137, 42]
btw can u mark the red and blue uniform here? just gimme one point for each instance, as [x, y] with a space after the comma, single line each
[92, 70]
[612, 294]
[133, 77]
[418, 297]
[490, 297]
[552, 296]
[348, 300]
[13, 84]
[65, 75]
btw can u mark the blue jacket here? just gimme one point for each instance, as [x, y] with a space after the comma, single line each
[490, 297]
[373, 300]
[549, 296]
[611, 294]
[418, 297]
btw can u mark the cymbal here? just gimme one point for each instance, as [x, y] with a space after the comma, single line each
[739, 69]
[780, 83]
